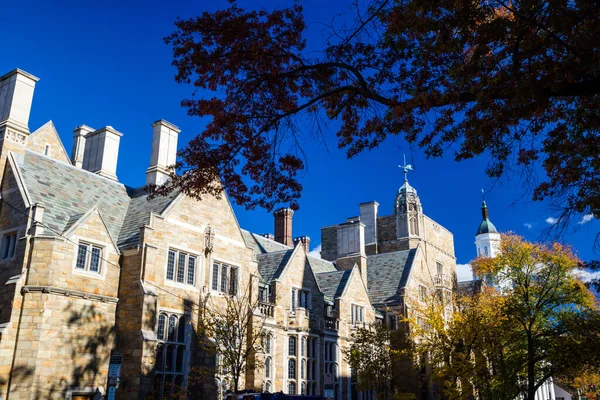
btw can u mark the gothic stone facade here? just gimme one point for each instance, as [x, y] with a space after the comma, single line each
[90, 267]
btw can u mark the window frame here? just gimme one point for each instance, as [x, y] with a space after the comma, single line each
[5, 234]
[357, 310]
[301, 299]
[89, 253]
[218, 283]
[176, 271]
[175, 342]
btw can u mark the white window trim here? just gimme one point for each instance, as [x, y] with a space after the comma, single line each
[104, 255]
[10, 231]
[353, 308]
[210, 277]
[198, 277]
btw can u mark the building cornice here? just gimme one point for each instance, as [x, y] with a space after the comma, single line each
[68, 293]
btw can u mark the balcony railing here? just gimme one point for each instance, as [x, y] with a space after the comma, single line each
[266, 309]
[442, 280]
[333, 324]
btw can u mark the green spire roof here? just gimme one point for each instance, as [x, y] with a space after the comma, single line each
[486, 225]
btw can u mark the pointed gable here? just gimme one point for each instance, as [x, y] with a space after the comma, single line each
[387, 273]
[45, 140]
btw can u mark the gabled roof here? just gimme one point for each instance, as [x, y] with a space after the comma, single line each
[67, 192]
[387, 273]
[319, 265]
[138, 214]
[271, 265]
[261, 245]
[333, 283]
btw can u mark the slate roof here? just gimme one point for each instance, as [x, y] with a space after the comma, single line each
[261, 244]
[319, 265]
[332, 284]
[470, 288]
[387, 273]
[67, 192]
[271, 265]
[138, 214]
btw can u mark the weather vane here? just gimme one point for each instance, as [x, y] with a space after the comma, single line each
[406, 168]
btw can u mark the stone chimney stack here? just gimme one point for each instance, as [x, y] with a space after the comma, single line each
[303, 241]
[283, 226]
[16, 96]
[79, 135]
[102, 151]
[164, 152]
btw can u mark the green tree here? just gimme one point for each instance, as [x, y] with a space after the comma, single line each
[536, 321]
[556, 315]
[516, 80]
[371, 357]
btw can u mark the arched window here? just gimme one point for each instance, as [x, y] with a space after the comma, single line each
[303, 369]
[303, 388]
[172, 328]
[268, 343]
[292, 346]
[171, 355]
[268, 367]
[303, 347]
[291, 369]
[268, 386]
[292, 388]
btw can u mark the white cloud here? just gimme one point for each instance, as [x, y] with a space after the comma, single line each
[528, 225]
[316, 252]
[586, 276]
[551, 220]
[586, 218]
[464, 272]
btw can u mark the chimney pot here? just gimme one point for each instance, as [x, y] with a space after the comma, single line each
[79, 135]
[102, 151]
[164, 152]
[16, 96]
[283, 226]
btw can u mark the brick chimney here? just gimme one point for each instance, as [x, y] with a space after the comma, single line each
[303, 241]
[164, 152]
[102, 151]
[283, 226]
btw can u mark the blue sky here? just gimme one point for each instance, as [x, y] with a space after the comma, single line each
[105, 63]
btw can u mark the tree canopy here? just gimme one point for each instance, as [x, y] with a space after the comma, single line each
[516, 80]
[537, 321]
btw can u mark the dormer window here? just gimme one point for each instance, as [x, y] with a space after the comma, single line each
[88, 258]
[357, 314]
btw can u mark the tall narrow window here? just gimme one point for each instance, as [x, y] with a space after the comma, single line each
[215, 277]
[291, 369]
[181, 267]
[292, 346]
[233, 281]
[440, 268]
[224, 276]
[9, 242]
[171, 265]
[191, 270]
[46, 149]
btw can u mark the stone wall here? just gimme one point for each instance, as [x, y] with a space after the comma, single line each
[329, 243]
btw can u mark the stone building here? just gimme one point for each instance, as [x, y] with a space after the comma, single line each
[90, 267]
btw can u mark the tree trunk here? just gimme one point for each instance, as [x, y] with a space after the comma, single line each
[530, 367]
